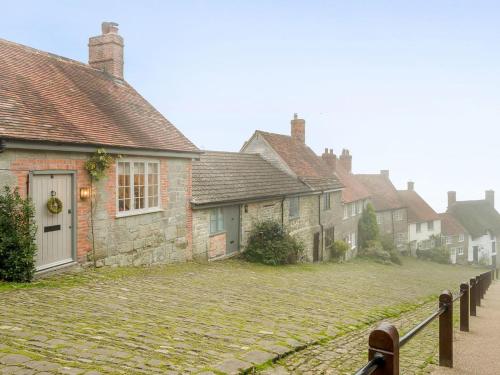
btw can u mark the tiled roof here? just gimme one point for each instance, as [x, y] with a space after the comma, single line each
[383, 194]
[44, 97]
[353, 190]
[303, 161]
[230, 176]
[418, 209]
[477, 217]
[450, 225]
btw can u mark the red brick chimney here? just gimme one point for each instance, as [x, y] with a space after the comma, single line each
[345, 159]
[298, 129]
[330, 158]
[106, 50]
[452, 198]
[411, 186]
[490, 197]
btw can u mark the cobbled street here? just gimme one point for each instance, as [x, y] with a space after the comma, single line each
[218, 318]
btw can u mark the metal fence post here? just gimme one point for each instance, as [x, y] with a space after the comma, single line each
[472, 292]
[385, 340]
[464, 307]
[446, 330]
[478, 291]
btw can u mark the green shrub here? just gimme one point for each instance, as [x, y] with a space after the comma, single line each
[338, 250]
[17, 237]
[439, 254]
[375, 251]
[389, 246]
[368, 227]
[269, 244]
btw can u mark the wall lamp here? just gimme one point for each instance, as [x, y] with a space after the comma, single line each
[84, 193]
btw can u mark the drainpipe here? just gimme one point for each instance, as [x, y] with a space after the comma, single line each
[321, 226]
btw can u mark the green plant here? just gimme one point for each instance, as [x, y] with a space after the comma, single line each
[17, 237]
[389, 246]
[338, 250]
[368, 227]
[438, 254]
[98, 163]
[269, 244]
[375, 251]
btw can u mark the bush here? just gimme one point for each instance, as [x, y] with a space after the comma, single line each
[389, 246]
[17, 237]
[338, 250]
[270, 244]
[439, 254]
[368, 227]
[375, 251]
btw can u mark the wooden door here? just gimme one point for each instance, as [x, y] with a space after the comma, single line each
[232, 227]
[316, 247]
[54, 237]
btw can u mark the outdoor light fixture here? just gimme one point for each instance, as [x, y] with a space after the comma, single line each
[84, 193]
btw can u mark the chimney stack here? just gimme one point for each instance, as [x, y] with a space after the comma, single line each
[385, 173]
[411, 186]
[330, 158]
[298, 129]
[452, 198]
[106, 50]
[490, 197]
[345, 159]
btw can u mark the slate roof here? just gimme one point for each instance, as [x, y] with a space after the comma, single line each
[353, 190]
[383, 194]
[231, 176]
[418, 209]
[303, 161]
[477, 217]
[44, 97]
[450, 225]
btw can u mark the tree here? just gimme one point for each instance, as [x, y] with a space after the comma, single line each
[368, 227]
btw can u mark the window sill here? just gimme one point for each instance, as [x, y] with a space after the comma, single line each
[217, 234]
[138, 212]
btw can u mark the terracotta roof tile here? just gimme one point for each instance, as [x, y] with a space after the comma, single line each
[44, 97]
[383, 194]
[418, 209]
[353, 190]
[230, 176]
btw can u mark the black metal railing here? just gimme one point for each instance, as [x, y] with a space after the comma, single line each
[384, 342]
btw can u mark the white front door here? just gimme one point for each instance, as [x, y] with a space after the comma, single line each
[54, 237]
[453, 255]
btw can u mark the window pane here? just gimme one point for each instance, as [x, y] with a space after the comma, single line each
[124, 187]
[153, 180]
[139, 185]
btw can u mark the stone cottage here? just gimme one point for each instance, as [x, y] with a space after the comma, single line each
[482, 222]
[232, 191]
[424, 224]
[354, 198]
[455, 237]
[318, 215]
[54, 114]
[391, 212]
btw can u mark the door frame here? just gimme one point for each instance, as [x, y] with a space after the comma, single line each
[72, 174]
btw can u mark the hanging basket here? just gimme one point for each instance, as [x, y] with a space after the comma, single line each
[54, 205]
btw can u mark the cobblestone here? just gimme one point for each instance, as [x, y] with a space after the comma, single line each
[220, 317]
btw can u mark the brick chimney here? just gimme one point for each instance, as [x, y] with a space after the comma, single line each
[452, 198]
[411, 186]
[106, 50]
[345, 159]
[298, 129]
[489, 196]
[385, 173]
[330, 158]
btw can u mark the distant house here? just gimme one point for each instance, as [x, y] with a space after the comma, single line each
[455, 237]
[391, 211]
[354, 196]
[482, 222]
[54, 114]
[232, 191]
[424, 224]
[317, 216]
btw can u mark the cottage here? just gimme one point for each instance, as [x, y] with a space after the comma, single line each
[482, 222]
[54, 114]
[232, 191]
[317, 215]
[455, 237]
[391, 212]
[424, 224]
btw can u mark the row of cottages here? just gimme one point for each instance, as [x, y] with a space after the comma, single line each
[54, 114]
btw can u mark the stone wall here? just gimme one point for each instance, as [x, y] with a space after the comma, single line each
[396, 227]
[159, 237]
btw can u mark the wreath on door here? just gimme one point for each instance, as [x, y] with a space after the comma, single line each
[54, 205]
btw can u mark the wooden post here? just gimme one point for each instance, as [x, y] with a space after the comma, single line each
[385, 340]
[478, 291]
[472, 292]
[446, 330]
[464, 307]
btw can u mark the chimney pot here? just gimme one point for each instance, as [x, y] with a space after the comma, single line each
[490, 197]
[385, 173]
[452, 198]
[411, 185]
[346, 160]
[298, 129]
[106, 50]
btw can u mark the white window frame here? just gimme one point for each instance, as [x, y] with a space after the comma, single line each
[297, 215]
[353, 209]
[146, 209]
[359, 204]
[379, 219]
[461, 237]
[219, 217]
[327, 201]
[460, 250]
[346, 211]
[398, 215]
[430, 225]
